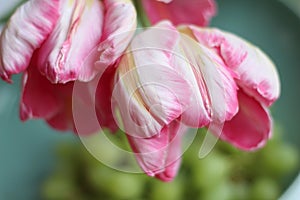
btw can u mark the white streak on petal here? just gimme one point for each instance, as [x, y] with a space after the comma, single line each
[75, 36]
[119, 28]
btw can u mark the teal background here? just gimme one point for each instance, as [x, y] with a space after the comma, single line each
[26, 149]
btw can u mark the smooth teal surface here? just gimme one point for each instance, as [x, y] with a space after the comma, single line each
[26, 149]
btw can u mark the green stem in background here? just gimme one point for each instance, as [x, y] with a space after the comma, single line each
[9, 14]
[143, 20]
[4, 19]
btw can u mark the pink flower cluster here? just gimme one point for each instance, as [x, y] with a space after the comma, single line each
[173, 75]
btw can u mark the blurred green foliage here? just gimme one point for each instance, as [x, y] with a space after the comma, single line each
[225, 174]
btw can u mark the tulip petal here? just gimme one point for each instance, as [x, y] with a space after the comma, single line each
[214, 90]
[92, 106]
[153, 101]
[41, 99]
[251, 127]
[76, 34]
[165, 1]
[119, 28]
[24, 33]
[198, 12]
[160, 155]
[256, 73]
[62, 121]
[38, 100]
[104, 100]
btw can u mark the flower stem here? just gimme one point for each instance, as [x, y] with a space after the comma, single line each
[142, 17]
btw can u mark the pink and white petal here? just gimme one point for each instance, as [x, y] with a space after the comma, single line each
[255, 71]
[25, 32]
[147, 106]
[73, 39]
[259, 77]
[165, 1]
[41, 99]
[171, 170]
[198, 12]
[214, 88]
[233, 53]
[173, 159]
[230, 92]
[91, 107]
[251, 127]
[195, 114]
[119, 27]
[136, 118]
[160, 155]
[165, 90]
[150, 101]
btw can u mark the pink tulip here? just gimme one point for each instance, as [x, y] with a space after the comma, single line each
[61, 41]
[68, 36]
[163, 83]
[258, 83]
[172, 78]
[55, 102]
[24, 33]
[198, 12]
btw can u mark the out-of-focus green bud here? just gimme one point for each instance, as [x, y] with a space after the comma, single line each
[221, 191]
[125, 186]
[59, 187]
[240, 191]
[280, 160]
[211, 170]
[264, 189]
[98, 176]
[167, 191]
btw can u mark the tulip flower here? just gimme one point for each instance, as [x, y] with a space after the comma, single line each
[258, 82]
[65, 38]
[159, 90]
[57, 42]
[198, 12]
[170, 79]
